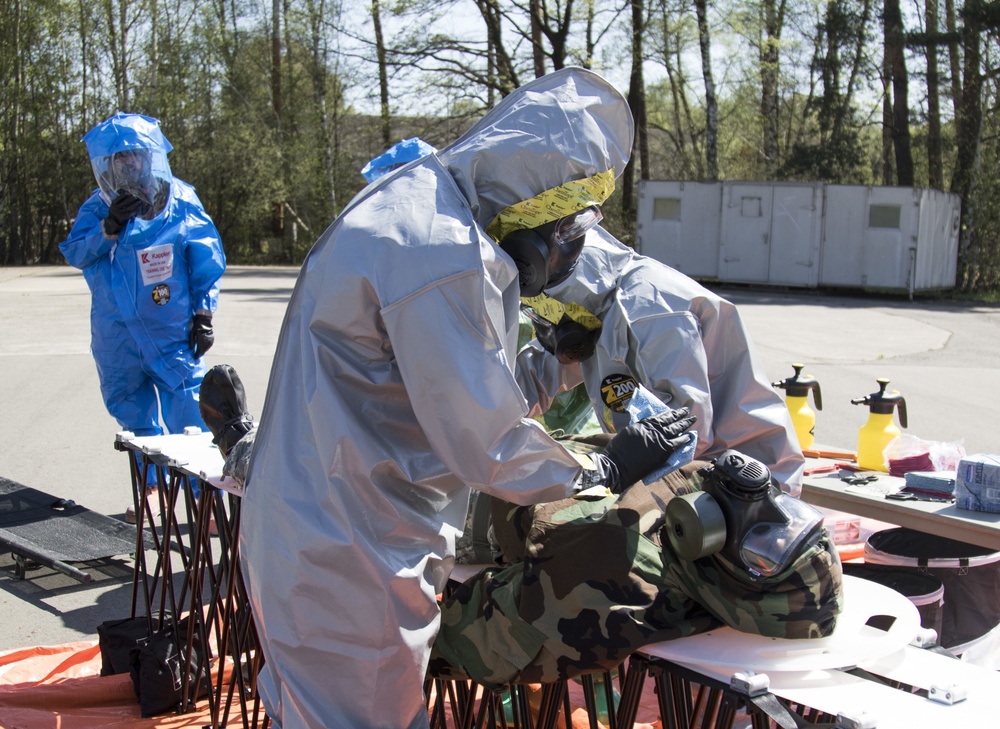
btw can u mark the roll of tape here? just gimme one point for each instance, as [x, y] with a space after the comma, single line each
[695, 525]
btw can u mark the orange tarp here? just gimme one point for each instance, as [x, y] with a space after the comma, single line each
[60, 687]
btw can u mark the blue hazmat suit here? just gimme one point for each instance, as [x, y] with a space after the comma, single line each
[147, 283]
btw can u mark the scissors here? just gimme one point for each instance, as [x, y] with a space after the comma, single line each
[910, 496]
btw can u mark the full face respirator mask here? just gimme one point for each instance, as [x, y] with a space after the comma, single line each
[568, 331]
[545, 255]
[743, 517]
[569, 340]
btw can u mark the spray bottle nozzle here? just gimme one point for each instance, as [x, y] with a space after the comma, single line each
[883, 403]
[799, 385]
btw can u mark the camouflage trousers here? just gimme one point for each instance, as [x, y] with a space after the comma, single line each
[590, 581]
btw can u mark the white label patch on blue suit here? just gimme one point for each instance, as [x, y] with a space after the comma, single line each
[156, 263]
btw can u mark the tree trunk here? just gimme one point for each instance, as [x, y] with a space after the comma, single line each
[637, 103]
[769, 64]
[968, 122]
[320, 77]
[506, 75]
[11, 59]
[116, 12]
[900, 94]
[935, 165]
[537, 52]
[711, 103]
[954, 55]
[276, 57]
[859, 59]
[590, 43]
[383, 77]
[154, 56]
[888, 173]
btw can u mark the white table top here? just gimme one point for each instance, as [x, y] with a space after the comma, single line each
[192, 454]
[943, 519]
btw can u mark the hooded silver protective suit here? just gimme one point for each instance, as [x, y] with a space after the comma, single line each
[391, 394]
[663, 330]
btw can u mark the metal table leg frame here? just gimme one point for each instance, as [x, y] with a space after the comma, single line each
[140, 465]
[715, 704]
[202, 618]
[239, 634]
[590, 697]
[554, 696]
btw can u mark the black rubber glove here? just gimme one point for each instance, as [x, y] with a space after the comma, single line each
[202, 336]
[223, 404]
[643, 447]
[122, 209]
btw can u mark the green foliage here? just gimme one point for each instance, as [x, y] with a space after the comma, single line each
[274, 172]
[836, 160]
[982, 271]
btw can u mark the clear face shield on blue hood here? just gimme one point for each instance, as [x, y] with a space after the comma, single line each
[142, 173]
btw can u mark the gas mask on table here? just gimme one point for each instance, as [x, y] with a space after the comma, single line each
[742, 516]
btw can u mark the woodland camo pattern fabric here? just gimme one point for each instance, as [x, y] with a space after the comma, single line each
[591, 580]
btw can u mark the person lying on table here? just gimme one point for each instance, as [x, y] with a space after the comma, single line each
[590, 580]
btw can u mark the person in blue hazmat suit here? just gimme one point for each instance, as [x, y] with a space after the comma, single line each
[392, 393]
[622, 320]
[152, 259]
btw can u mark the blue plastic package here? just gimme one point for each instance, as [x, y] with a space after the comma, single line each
[644, 404]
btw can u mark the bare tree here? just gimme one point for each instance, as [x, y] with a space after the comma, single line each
[893, 25]
[637, 103]
[935, 165]
[711, 103]
[968, 122]
[121, 17]
[320, 74]
[276, 58]
[383, 76]
[773, 16]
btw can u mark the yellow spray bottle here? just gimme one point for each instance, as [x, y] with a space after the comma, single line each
[880, 429]
[797, 389]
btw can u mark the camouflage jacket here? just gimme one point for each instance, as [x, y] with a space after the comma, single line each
[593, 580]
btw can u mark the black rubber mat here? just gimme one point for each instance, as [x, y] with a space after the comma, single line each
[48, 529]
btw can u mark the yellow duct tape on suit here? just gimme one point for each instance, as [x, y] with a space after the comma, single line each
[558, 202]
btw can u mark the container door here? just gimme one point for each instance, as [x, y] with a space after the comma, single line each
[746, 233]
[844, 218]
[890, 237]
[796, 211]
[678, 224]
[937, 242]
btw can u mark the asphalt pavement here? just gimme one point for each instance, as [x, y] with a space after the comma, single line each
[56, 436]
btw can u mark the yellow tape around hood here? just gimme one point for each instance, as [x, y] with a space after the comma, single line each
[552, 310]
[558, 202]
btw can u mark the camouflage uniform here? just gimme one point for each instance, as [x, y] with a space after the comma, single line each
[593, 580]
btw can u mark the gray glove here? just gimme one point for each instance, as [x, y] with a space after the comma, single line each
[641, 448]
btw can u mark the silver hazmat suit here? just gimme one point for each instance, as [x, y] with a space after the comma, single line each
[392, 392]
[687, 345]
